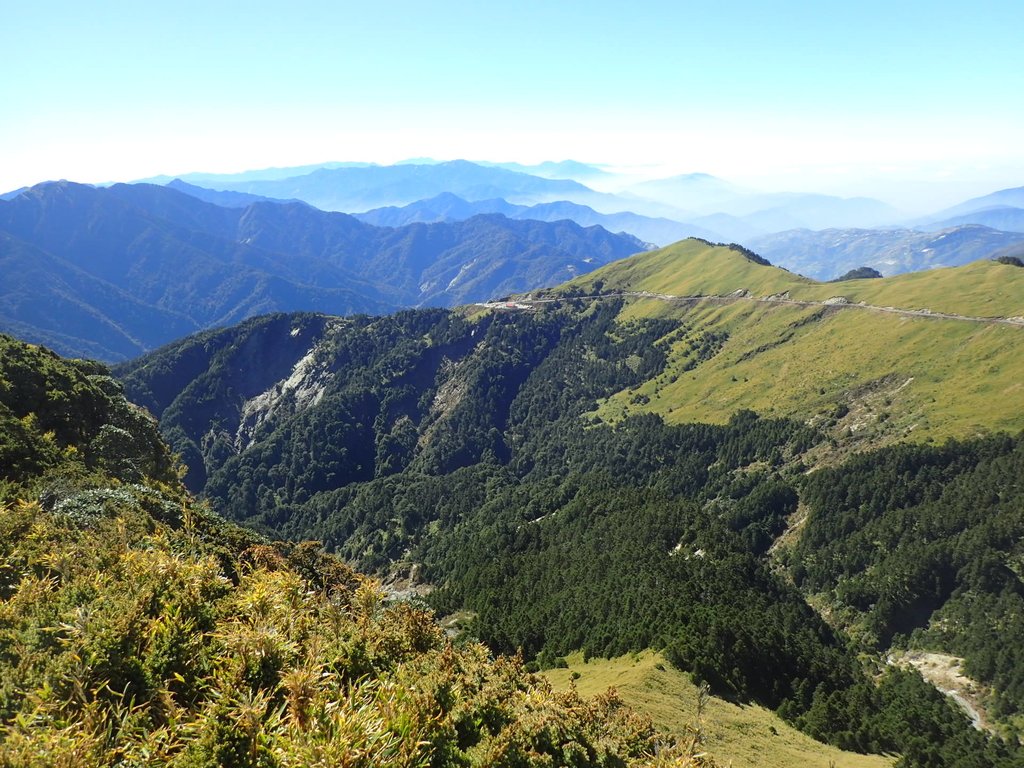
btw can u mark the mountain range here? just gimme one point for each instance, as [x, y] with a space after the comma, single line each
[563, 169]
[1004, 218]
[449, 207]
[791, 491]
[130, 267]
[689, 199]
[359, 188]
[659, 212]
[112, 272]
[1003, 198]
[828, 253]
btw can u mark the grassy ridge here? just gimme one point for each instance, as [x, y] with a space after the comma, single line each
[981, 289]
[693, 267]
[881, 377]
[900, 378]
[477, 438]
[743, 736]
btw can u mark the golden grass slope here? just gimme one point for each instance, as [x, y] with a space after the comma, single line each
[879, 376]
[743, 736]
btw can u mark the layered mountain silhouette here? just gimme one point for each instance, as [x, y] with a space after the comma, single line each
[1003, 210]
[696, 204]
[110, 273]
[659, 211]
[818, 235]
[227, 199]
[204, 179]
[449, 207]
[563, 169]
[356, 189]
[1002, 217]
[211, 249]
[1003, 198]
[828, 253]
[700, 192]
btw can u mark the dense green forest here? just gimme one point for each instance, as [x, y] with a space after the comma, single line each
[925, 545]
[465, 445]
[139, 629]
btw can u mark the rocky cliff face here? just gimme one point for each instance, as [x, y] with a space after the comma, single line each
[303, 388]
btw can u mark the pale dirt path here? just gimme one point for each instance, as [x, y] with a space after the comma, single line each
[945, 673]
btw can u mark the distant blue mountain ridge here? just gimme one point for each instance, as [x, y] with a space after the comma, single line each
[424, 191]
[450, 207]
[683, 199]
[1003, 198]
[740, 215]
[112, 272]
[829, 253]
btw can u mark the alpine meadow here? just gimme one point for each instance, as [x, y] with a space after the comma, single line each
[464, 386]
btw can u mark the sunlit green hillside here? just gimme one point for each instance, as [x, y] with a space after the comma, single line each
[879, 375]
[696, 268]
[693, 268]
[743, 736]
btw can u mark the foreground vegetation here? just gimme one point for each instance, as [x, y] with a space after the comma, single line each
[138, 629]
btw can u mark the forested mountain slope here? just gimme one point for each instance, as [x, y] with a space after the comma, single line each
[138, 629]
[468, 449]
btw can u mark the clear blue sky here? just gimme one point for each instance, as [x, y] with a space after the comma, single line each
[838, 96]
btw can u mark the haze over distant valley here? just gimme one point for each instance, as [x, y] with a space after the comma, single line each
[799, 231]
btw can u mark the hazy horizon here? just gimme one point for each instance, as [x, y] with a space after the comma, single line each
[912, 104]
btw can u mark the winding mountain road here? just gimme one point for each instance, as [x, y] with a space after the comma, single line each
[836, 302]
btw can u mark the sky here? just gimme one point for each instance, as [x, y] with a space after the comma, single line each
[917, 103]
